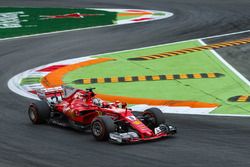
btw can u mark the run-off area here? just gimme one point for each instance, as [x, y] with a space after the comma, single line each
[211, 90]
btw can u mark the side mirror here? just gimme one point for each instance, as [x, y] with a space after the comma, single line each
[105, 104]
[124, 104]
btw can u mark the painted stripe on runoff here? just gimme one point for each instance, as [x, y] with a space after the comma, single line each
[194, 49]
[239, 99]
[244, 79]
[147, 78]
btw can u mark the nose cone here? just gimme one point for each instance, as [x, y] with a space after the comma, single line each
[149, 134]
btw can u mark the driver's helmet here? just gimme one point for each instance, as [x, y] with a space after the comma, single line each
[79, 95]
[97, 102]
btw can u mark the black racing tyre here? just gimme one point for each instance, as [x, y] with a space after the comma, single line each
[153, 117]
[39, 112]
[101, 126]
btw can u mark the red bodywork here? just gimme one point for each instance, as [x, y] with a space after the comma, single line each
[83, 111]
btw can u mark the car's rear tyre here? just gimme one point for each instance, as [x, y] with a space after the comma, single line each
[101, 126]
[153, 117]
[39, 112]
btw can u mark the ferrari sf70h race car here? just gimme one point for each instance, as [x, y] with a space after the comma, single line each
[81, 110]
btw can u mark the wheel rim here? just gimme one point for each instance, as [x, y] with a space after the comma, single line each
[97, 128]
[32, 114]
[152, 121]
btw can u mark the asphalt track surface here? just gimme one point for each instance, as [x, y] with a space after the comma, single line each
[201, 141]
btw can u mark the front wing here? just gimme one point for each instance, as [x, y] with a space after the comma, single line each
[132, 137]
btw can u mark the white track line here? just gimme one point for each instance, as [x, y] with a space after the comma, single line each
[55, 32]
[222, 35]
[171, 43]
[227, 64]
[217, 115]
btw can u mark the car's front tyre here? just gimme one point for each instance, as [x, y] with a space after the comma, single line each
[101, 127]
[153, 117]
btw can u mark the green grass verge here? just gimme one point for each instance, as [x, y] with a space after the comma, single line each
[207, 90]
[32, 22]
[30, 80]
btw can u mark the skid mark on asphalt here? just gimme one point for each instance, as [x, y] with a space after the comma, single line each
[194, 49]
[147, 78]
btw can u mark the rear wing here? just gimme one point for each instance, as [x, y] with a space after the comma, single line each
[50, 94]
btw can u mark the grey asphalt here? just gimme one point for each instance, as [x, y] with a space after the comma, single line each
[201, 141]
[237, 56]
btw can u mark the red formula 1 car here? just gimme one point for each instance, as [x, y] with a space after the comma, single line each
[81, 110]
